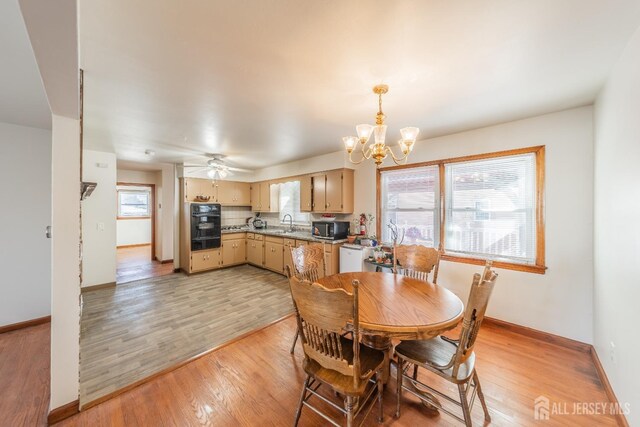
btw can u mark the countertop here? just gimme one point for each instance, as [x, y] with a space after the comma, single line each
[276, 232]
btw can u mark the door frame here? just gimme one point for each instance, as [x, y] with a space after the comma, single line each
[152, 204]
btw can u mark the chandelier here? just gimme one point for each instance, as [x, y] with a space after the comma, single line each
[378, 150]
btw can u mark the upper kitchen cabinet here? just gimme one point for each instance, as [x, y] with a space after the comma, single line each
[306, 195]
[233, 193]
[333, 191]
[193, 187]
[228, 193]
[264, 197]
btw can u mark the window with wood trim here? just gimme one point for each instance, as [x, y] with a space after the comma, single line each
[133, 204]
[476, 207]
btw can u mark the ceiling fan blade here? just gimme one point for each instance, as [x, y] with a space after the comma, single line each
[231, 168]
[198, 169]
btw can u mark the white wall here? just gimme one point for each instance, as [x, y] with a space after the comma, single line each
[25, 186]
[65, 261]
[617, 227]
[335, 160]
[99, 219]
[560, 301]
[134, 232]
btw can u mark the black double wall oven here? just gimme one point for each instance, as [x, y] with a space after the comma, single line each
[205, 226]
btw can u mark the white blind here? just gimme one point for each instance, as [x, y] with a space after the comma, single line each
[409, 198]
[490, 208]
[290, 202]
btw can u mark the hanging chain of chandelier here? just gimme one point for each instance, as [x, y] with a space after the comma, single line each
[378, 150]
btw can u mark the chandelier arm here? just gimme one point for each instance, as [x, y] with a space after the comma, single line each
[359, 161]
[397, 160]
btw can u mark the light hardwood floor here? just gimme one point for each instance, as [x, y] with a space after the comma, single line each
[135, 263]
[137, 329]
[255, 381]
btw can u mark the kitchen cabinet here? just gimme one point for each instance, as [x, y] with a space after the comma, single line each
[204, 260]
[232, 193]
[274, 254]
[333, 191]
[228, 193]
[234, 249]
[264, 197]
[306, 195]
[195, 187]
[255, 251]
[287, 259]
[332, 259]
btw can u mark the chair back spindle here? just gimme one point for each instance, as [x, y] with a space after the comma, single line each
[324, 315]
[417, 261]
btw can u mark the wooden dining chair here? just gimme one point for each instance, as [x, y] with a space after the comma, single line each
[330, 358]
[308, 264]
[453, 360]
[417, 261]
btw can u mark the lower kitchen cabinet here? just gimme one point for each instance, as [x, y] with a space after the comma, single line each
[274, 254]
[205, 260]
[234, 249]
[255, 251]
[234, 252]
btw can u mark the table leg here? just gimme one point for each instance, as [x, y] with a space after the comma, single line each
[383, 344]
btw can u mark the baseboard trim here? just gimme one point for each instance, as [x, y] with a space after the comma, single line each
[178, 365]
[97, 287]
[604, 380]
[166, 261]
[63, 412]
[137, 245]
[25, 324]
[539, 335]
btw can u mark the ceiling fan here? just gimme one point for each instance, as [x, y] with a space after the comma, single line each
[216, 167]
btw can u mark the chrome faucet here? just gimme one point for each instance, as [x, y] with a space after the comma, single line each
[290, 221]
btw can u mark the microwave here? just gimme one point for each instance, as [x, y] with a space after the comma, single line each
[331, 230]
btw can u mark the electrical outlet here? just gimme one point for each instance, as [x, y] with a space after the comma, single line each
[100, 226]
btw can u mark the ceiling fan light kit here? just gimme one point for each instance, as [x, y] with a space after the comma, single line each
[378, 150]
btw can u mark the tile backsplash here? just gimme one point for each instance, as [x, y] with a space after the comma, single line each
[232, 215]
[235, 215]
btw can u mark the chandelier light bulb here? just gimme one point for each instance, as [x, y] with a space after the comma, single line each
[364, 132]
[349, 143]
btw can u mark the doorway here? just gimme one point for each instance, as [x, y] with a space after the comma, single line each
[136, 234]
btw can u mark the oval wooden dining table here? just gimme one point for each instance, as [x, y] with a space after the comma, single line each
[400, 307]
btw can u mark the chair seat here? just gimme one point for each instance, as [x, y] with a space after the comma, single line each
[436, 351]
[371, 360]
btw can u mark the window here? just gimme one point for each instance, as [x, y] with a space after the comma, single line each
[133, 203]
[492, 207]
[409, 200]
[290, 202]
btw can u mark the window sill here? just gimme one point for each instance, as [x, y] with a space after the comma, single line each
[537, 269]
[132, 217]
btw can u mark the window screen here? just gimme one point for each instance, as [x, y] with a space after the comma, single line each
[490, 208]
[409, 199]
